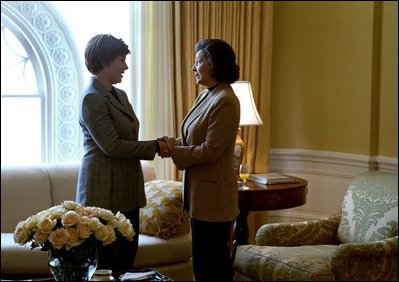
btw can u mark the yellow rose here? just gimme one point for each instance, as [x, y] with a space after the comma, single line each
[73, 239]
[40, 237]
[90, 211]
[58, 238]
[101, 233]
[113, 222]
[46, 224]
[120, 216]
[21, 233]
[126, 229]
[84, 219]
[31, 222]
[94, 223]
[105, 214]
[84, 231]
[56, 212]
[70, 205]
[111, 237]
[70, 218]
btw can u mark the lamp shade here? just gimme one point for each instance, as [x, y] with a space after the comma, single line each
[248, 114]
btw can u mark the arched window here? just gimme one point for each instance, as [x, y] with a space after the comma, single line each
[41, 79]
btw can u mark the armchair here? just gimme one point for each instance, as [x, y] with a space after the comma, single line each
[358, 244]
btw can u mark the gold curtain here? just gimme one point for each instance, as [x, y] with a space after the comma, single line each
[247, 27]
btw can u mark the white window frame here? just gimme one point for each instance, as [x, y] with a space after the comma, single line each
[58, 72]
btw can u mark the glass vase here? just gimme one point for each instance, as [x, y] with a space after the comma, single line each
[76, 264]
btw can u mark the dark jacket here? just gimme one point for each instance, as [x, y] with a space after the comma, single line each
[110, 175]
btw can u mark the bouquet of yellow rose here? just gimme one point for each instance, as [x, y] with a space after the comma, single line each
[70, 224]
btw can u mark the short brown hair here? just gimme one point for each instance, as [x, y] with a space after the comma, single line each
[101, 50]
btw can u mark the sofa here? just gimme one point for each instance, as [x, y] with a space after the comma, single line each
[164, 240]
[360, 243]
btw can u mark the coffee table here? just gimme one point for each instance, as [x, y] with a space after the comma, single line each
[155, 277]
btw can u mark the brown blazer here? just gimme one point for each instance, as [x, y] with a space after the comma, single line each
[110, 175]
[205, 152]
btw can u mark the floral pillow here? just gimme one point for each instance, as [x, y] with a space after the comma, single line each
[163, 215]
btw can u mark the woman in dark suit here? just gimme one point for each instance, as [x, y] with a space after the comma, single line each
[205, 153]
[110, 175]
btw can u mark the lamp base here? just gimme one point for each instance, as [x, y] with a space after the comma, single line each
[238, 154]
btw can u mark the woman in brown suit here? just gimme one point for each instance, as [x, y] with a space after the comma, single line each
[205, 154]
[110, 175]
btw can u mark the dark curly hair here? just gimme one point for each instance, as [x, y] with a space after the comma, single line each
[222, 59]
[101, 50]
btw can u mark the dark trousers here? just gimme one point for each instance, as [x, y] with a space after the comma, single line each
[119, 256]
[211, 246]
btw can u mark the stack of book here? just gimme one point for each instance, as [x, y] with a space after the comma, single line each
[271, 178]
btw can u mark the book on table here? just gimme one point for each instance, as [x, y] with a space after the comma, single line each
[271, 178]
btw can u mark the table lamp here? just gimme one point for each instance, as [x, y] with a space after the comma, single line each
[248, 116]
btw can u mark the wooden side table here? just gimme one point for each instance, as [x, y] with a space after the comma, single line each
[261, 197]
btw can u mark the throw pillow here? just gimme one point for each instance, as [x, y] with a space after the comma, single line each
[163, 215]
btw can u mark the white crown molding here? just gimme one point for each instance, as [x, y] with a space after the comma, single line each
[327, 163]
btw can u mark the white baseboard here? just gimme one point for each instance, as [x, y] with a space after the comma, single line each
[386, 164]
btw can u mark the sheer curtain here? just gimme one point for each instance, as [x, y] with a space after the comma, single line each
[152, 69]
[165, 33]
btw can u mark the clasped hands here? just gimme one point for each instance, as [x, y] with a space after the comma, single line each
[166, 144]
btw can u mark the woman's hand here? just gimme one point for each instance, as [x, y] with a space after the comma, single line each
[163, 148]
[170, 143]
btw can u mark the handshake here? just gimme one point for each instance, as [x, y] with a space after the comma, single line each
[166, 145]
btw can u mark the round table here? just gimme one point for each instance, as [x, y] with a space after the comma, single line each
[262, 197]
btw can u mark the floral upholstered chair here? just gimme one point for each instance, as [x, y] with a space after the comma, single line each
[360, 243]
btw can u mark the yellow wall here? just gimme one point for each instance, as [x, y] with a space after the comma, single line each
[334, 77]
[388, 124]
